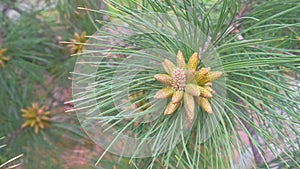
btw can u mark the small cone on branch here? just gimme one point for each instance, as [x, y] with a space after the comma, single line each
[205, 105]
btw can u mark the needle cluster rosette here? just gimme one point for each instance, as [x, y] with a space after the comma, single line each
[76, 44]
[36, 117]
[184, 83]
[3, 59]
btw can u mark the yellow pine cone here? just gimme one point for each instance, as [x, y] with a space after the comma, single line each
[180, 60]
[164, 93]
[204, 92]
[171, 108]
[185, 84]
[204, 104]
[36, 117]
[210, 76]
[168, 66]
[163, 78]
[199, 75]
[193, 62]
[76, 45]
[177, 96]
[3, 59]
[193, 89]
[189, 106]
[298, 38]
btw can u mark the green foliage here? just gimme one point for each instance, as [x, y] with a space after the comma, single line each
[34, 52]
[260, 60]
[11, 162]
[283, 162]
[79, 20]
[257, 50]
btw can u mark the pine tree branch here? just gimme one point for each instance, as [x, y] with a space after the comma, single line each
[1, 38]
[235, 27]
[258, 156]
[103, 7]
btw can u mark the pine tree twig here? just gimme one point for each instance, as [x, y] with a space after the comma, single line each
[103, 7]
[1, 39]
[235, 27]
[258, 156]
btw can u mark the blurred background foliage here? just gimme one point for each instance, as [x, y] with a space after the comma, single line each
[37, 71]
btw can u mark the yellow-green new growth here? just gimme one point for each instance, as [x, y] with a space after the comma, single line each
[185, 83]
[298, 38]
[3, 59]
[36, 117]
[76, 44]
